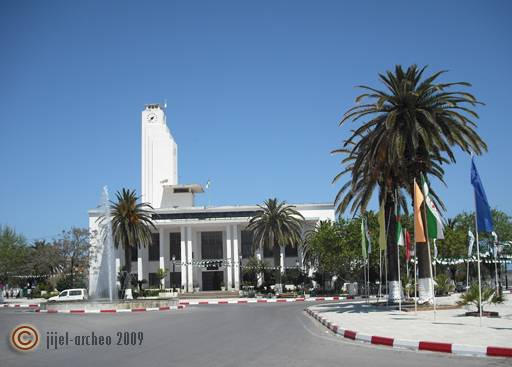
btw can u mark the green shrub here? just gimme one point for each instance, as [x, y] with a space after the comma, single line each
[489, 296]
[443, 285]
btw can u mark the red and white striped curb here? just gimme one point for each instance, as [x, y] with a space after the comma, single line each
[20, 305]
[113, 310]
[254, 300]
[459, 349]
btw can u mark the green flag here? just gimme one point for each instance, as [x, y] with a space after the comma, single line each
[434, 222]
[364, 239]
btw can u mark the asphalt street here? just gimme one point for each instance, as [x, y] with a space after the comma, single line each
[224, 335]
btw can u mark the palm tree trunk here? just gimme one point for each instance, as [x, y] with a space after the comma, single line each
[277, 262]
[128, 269]
[394, 288]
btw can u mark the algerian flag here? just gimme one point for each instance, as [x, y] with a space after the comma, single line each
[434, 222]
[400, 239]
[382, 226]
[363, 239]
[367, 232]
[471, 238]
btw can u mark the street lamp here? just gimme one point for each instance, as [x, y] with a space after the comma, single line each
[172, 274]
[240, 271]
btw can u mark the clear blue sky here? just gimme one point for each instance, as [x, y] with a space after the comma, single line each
[254, 90]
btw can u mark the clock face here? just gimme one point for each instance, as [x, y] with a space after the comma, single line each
[151, 117]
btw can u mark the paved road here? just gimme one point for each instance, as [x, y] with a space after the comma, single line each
[224, 335]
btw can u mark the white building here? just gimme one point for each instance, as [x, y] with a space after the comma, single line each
[203, 245]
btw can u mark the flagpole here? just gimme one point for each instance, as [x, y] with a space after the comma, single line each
[399, 282]
[380, 273]
[478, 265]
[368, 280]
[429, 253]
[415, 253]
[496, 264]
[397, 217]
[415, 281]
[467, 276]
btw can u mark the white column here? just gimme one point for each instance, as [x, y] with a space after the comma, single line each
[161, 245]
[190, 280]
[236, 258]
[183, 257]
[281, 258]
[140, 275]
[229, 268]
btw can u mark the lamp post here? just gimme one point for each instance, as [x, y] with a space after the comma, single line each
[240, 271]
[172, 274]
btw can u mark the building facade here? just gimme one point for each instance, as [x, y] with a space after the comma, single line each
[202, 248]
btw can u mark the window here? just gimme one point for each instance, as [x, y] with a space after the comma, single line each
[175, 279]
[211, 245]
[154, 248]
[63, 294]
[247, 247]
[290, 251]
[175, 245]
[75, 293]
[268, 252]
[134, 251]
[153, 281]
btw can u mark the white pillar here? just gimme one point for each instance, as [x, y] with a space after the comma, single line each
[190, 280]
[236, 258]
[229, 258]
[161, 251]
[281, 258]
[140, 275]
[183, 256]
[118, 269]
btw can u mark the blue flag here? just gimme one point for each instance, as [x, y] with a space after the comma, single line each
[483, 211]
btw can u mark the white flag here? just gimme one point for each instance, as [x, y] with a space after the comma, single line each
[471, 242]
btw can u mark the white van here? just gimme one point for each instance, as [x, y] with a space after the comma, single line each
[78, 294]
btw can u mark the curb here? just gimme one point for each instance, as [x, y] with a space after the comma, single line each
[254, 300]
[457, 349]
[20, 305]
[111, 311]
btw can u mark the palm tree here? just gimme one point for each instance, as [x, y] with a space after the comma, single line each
[410, 130]
[276, 224]
[131, 226]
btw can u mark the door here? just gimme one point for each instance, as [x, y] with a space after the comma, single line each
[212, 280]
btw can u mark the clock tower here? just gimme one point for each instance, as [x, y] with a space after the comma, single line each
[159, 155]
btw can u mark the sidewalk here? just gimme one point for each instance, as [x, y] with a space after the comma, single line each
[450, 326]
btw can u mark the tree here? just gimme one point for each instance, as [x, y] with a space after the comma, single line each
[254, 268]
[74, 248]
[46, 259]
[14, 255]
[276, 225]
[131, 226]
[409, 131]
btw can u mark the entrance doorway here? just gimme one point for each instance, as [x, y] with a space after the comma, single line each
[212, 280]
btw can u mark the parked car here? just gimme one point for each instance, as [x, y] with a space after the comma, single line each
[78, 294]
